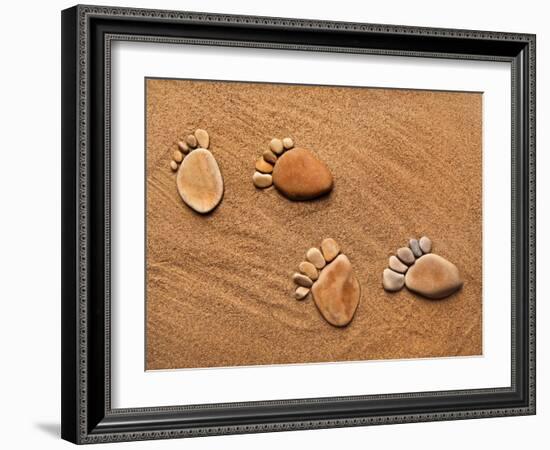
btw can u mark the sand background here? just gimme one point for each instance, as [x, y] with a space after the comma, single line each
[405, 163]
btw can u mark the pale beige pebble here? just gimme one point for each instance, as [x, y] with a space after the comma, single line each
[330, 249]
[263, 166]
[415, 247]
[262, 180]
[433, 277]
[392, 281]
[276, 145]
[337, 292]
[406, 255]
[397, 265]
[301, 280]
[288, 143]
[199, 181]
[202, 138]
[178, 156]
[315, 257]
[425, 244]
[301, 293]
[309, 270]
[191, 141]
[270, 157]
[183, 147]
[174, 165]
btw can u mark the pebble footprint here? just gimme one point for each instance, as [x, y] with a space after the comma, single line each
[295, 172]
[329, 276]
[198, 177]
[421, 271]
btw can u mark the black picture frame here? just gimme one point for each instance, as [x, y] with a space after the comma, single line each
[87, 415]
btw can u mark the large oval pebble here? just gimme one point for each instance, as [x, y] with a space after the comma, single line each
[337, 292]
[433, 277]
[199, 181]
[299, 175]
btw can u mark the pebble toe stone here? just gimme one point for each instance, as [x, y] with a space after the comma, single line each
[337, 292]
[191, 141]
[276, 145]
[299, 175]
[425, 244]
[309, 270]
[433, 277]
[415, 247]
[199, 181]
[397, 265]
[263, 166]
[392, 281]
[330, 249]
[315, 257]
[301, 293]
[202, 138]
[301, 280]
[406, 255]
[288, 143]
[262, 180]
[270, 157]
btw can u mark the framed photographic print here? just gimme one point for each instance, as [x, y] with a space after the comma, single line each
[281, 224]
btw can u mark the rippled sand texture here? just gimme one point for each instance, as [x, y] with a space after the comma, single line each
[405, 163]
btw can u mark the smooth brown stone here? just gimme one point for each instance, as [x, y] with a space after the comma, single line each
[309, 270]
[392, 281]
[276, 145]
[330, 249]
[199, 181]
[270, 157]
[191, 141]
[299, 175]
[315, 257]
[202, 138]
[433, 277]
[174, 165]
[184, 148]
[263, 166]
[406, 255]
[415, 247]
[397, 265]
[301, 293]
[425, 244]
[337, 292]
[262, 180]
[178, 156]
[288, 143]
[301, 280]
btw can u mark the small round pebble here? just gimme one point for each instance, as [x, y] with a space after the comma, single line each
[191, 141]
[174, 165]
[301, 293]
[270, 157]
[330, 249]
[277, 146]
[288, 143]
[178, 156]
[415, 247]
[315, 257]
[309, 270]
[262, 180]
[406, 255]
[397, 265]
[425, 244]
[183, 147]
[202, 138]
[301, 280]
[263, 166]
[392, 281]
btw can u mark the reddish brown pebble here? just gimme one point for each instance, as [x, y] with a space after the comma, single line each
[263, 166]
[183, 147]
[433, 277]
[178, 156]
[270, 157]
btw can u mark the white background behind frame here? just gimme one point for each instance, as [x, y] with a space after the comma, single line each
[134, 387]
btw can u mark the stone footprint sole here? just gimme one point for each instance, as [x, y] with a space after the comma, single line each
[198, 177]
[421, 271]
[295, 172]
[328, 275]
